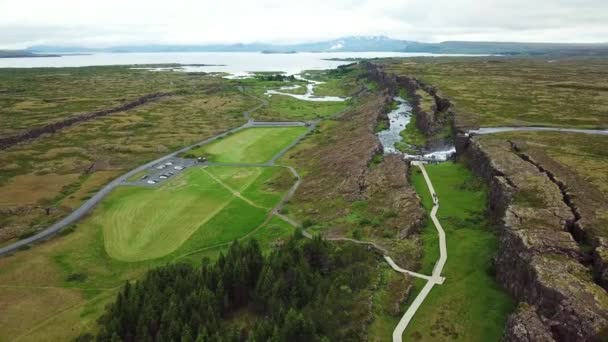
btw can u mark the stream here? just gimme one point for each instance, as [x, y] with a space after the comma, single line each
[309, 95]
[398, 119]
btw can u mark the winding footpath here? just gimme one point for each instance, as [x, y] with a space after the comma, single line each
[435, 278]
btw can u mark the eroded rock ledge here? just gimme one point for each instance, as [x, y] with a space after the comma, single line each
[539, 261]
[33, 133]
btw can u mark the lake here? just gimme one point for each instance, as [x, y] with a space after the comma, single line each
[231, 62]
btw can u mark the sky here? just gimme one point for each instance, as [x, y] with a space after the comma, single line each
[102, 23]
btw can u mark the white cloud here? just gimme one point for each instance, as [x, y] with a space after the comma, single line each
[113, 22]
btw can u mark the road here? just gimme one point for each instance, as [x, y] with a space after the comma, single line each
[491, 130]
[436, 277]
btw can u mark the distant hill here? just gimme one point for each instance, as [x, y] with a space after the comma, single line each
[356, 44]
[21, 54]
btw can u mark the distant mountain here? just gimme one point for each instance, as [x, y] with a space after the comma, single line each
[354, 44]
[21, 54]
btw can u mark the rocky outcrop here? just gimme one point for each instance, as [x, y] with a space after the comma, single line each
[584, 200]
[33, 133]
[539, 261]
[385, 81]
[525, 326]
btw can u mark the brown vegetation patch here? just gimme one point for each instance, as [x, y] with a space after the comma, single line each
[31, 189]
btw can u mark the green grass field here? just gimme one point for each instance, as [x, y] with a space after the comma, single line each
[470, 305]
[282, 107]
[57, 289]
[219, 203]
[251, 145]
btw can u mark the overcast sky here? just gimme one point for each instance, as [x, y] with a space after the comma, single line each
[103, 23]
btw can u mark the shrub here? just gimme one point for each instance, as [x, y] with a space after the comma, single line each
[77, 277]
[307, 223]
[364, 221]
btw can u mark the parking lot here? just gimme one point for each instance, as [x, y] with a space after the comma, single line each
[161, 172]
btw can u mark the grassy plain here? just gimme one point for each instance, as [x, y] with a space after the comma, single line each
[336, 82]
[285, 108]
[57, 289]
[282, 107]
[470, 305]
[517, 91]
[69, 165]
[251, 145]
[31, 97]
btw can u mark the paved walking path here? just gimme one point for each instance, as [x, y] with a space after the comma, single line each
[436, 277]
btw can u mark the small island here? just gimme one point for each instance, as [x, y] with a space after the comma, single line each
[270, 52]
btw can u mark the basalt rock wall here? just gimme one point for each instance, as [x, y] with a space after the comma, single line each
[539, 261]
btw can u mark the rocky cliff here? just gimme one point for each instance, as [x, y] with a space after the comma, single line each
[539, 261]
[34, 133]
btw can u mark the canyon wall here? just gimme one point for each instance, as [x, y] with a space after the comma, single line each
[539, 261]
[436, 123]
[545, 229]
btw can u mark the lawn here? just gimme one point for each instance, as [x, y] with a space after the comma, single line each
[470, 305]
[56, 289]
[146, 223]
[251, 145]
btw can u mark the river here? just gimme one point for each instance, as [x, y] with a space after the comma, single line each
[310, 92]
[398, 119]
